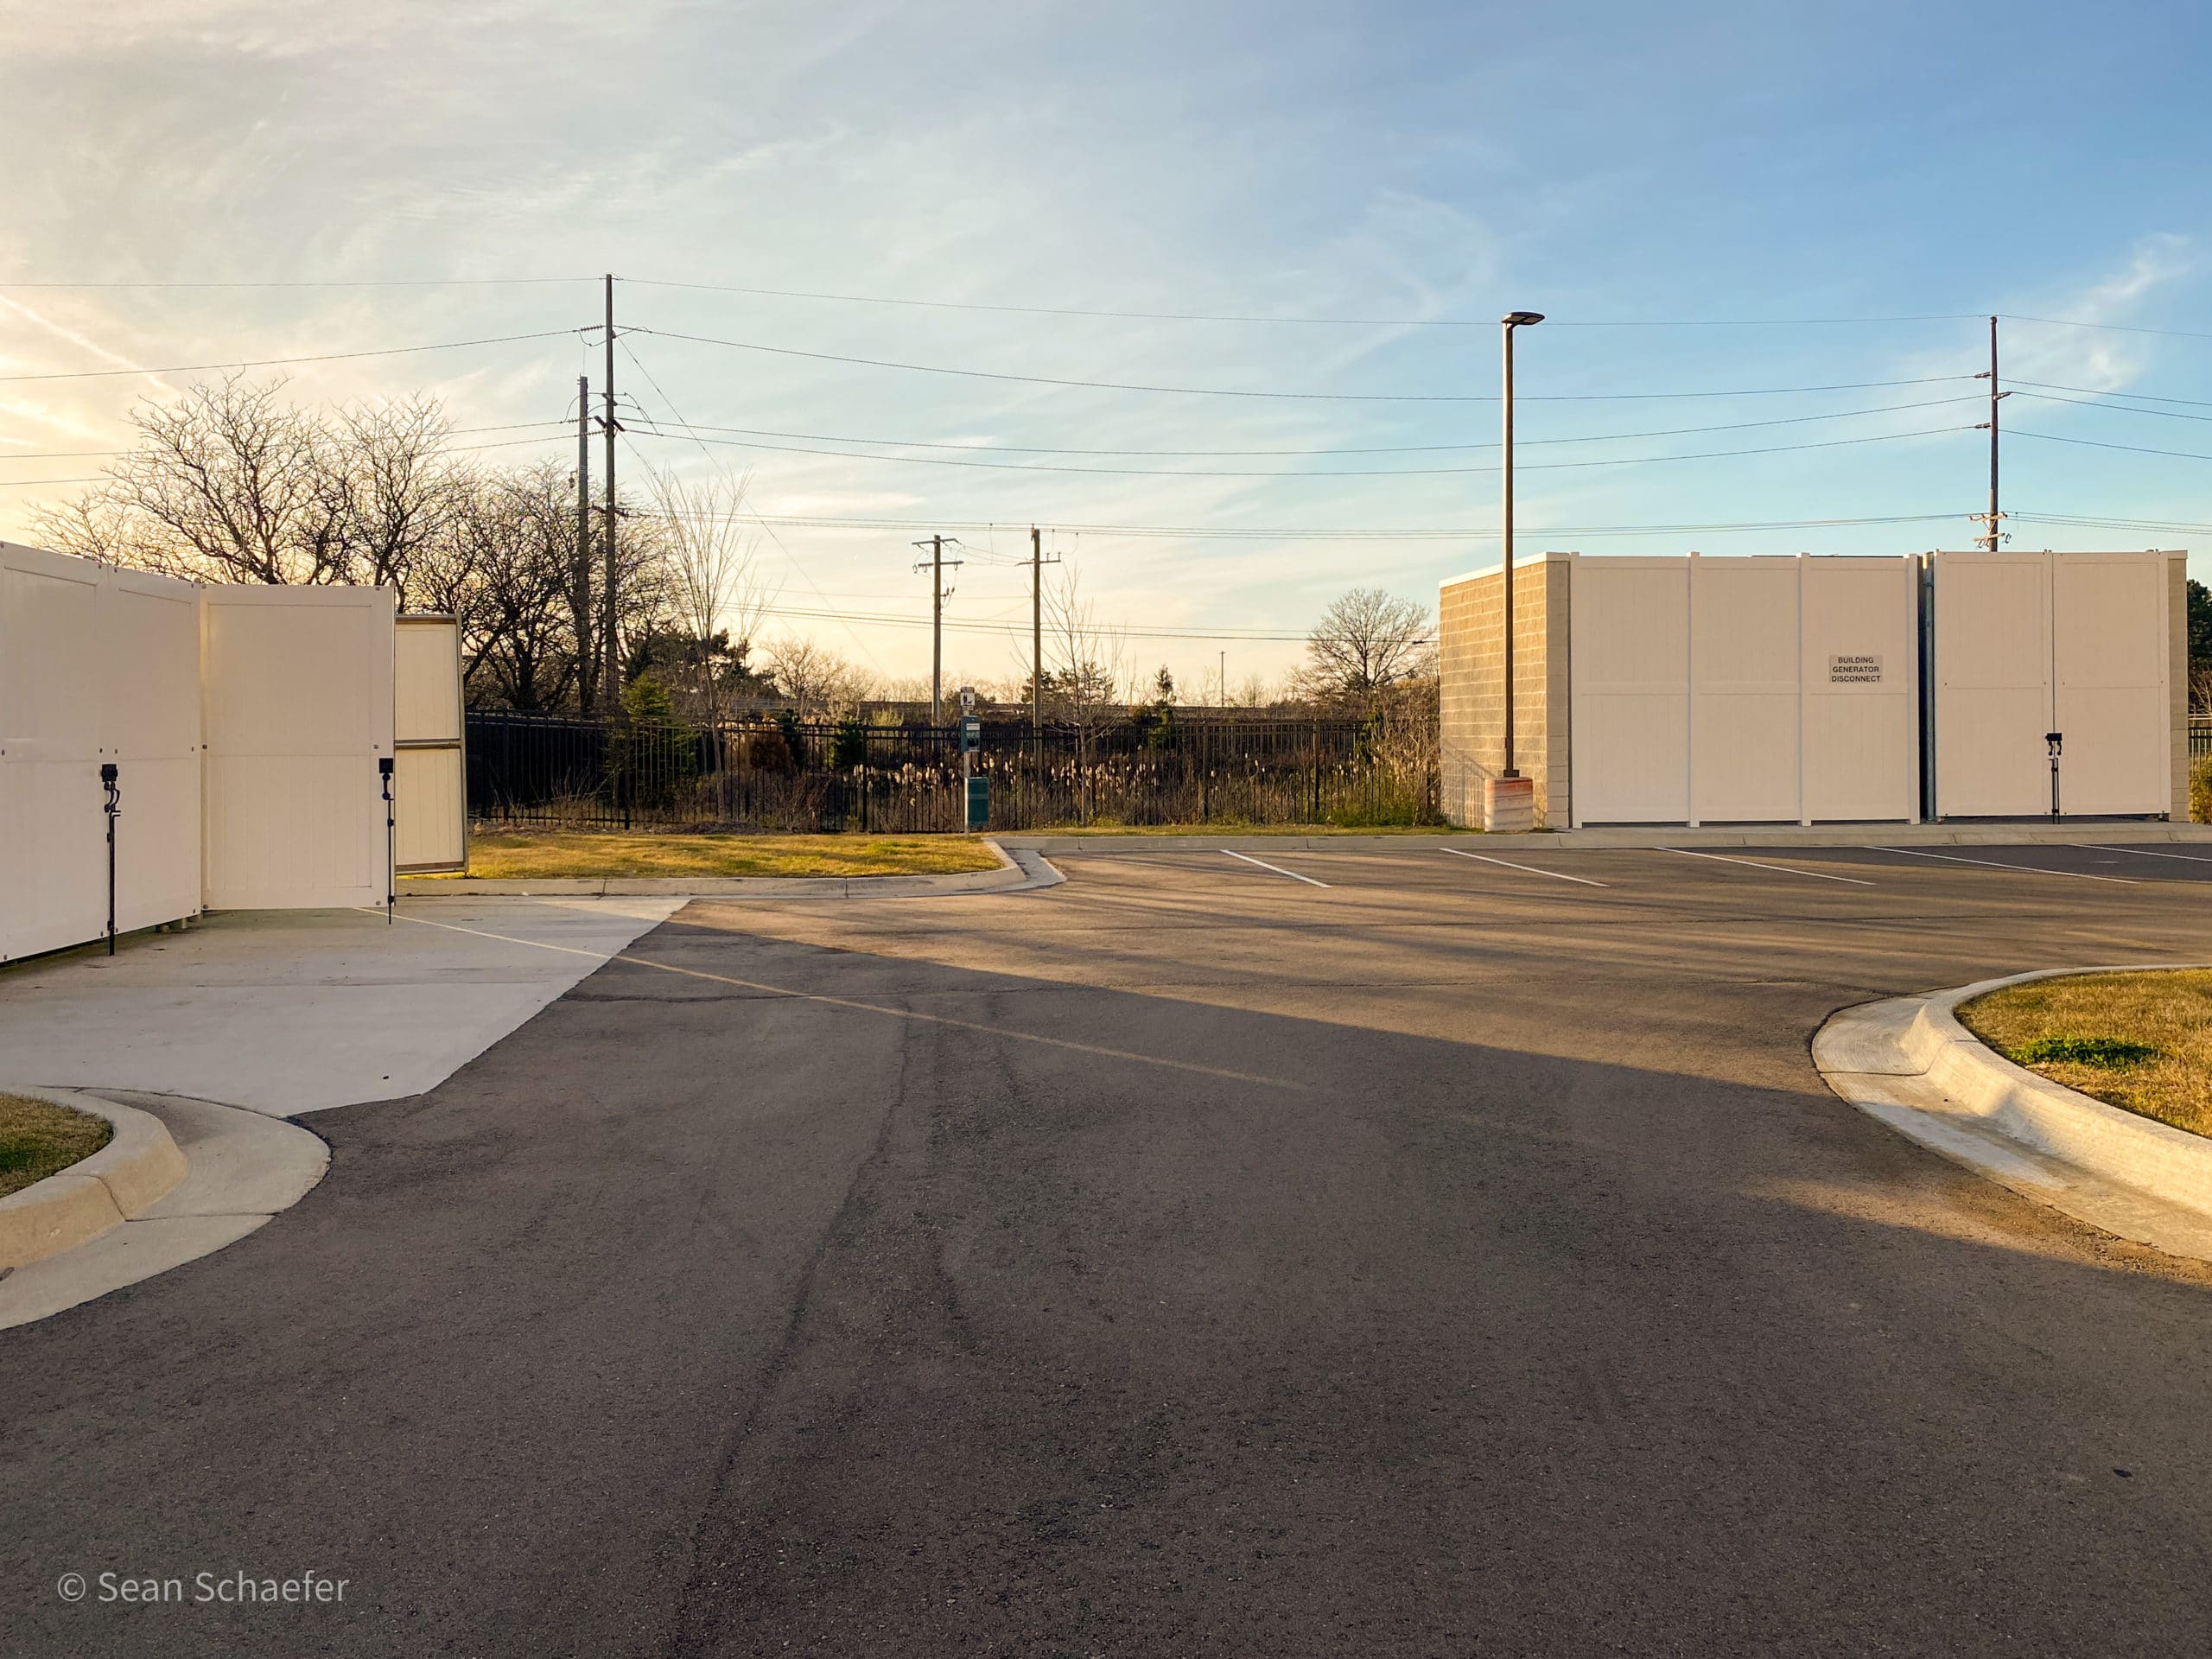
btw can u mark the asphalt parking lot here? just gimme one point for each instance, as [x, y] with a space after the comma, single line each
[1398, 1251]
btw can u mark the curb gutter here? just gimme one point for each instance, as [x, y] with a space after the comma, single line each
[1910, 1063]
[138, 1166]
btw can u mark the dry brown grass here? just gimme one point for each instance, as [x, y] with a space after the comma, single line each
[2169, 1010]
[38, 1138]
[539, 855]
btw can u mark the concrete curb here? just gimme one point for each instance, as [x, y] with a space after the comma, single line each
[239, 1169]
[1011, 876]
[1908, 1062]
[138, 1166]
[2032, 832]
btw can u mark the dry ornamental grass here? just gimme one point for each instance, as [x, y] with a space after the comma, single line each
[38, 1138]
[2141, 1041]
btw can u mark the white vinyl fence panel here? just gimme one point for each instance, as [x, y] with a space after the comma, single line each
[97, 666]
[429, 731]
[2029, 643]
[297, 690]
[1758, 690]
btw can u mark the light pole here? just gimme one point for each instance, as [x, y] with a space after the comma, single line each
[1512, 320]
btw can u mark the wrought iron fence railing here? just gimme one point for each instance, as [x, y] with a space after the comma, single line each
[792, 775]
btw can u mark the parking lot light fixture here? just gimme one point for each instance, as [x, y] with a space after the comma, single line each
[1512, 320]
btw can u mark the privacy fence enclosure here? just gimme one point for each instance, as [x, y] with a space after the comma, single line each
[787, 774]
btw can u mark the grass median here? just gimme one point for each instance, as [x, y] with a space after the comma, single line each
[538, 855]
[2141, 1041]
[39, 1139]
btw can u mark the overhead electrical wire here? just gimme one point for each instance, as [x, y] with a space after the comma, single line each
[2095, 443]
[2115, 328]
[90, 455]
[1366, 471]
[1208, 316]
[2092, 391]
[275, 362]
[1323, 396]
[1374, 449]
[2123, 409]
[1184, 532]
[804, 575]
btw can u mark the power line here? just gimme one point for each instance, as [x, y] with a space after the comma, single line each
[91, 455]
[2116, 327]
[2120, 409]
[1182, 533]
[274, 362]
[804, 575]
[1368, 472]
[2093, 443]
[333, 281]
[2139, 397]
[1323, 397]
[1376, 449]
[1206, 316]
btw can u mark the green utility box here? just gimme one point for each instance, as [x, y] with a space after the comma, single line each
[979, 801]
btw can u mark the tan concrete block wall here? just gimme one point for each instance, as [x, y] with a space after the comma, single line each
[2178, 657]
[1470, 648]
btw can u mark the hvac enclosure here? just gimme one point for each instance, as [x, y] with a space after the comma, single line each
[1804, 689]
[245, 727]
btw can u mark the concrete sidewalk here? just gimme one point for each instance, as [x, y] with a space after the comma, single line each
[286, 1012]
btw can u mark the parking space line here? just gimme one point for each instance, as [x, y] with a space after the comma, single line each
[1992, 864]
[1278, 869]
[2186, 858]
[1555, 875]
[1779, 869]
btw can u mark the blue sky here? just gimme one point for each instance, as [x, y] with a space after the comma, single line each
[1605, 165]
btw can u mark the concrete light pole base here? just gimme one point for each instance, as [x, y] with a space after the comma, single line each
[1508, 805]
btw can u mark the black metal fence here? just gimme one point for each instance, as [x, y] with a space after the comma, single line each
[792, 775]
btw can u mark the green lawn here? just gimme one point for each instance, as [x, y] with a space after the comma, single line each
[539, 855]
[2141, 1041]
[37, 1138]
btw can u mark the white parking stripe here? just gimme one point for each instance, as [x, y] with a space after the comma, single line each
[1779, 869]
[1278, 869]
[1532, 869]
[1992, 864]
[2186, 858]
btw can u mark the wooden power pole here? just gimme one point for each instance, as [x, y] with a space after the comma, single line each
[587, 659]
[611, 673]
[1989, 541]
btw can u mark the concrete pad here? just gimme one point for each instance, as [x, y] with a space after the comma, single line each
[295, 1011]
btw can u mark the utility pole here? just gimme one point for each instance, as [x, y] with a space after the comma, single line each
[1224, 677]
[1037, 640]
[611, 673]
[1989, 540]
[939, 594]
[587, 658]
[1036, 563]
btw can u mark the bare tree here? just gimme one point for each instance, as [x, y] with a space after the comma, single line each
[1365, 642]
[502, 568]
[817, 679]
[1086, 666]
[715, 574]
[230, 483]
[390, 487]
[226, 483]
